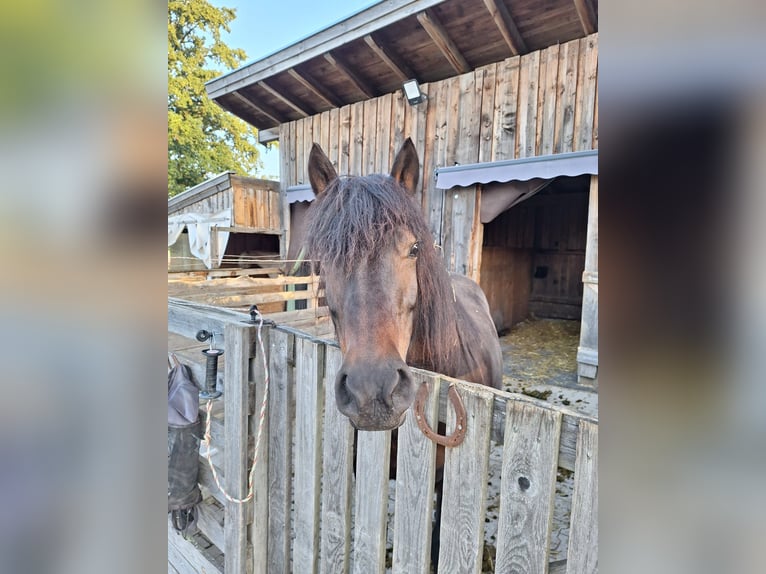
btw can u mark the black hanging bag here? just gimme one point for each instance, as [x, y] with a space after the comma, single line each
[184, 433]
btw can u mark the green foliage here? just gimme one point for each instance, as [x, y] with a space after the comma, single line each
[203, 138]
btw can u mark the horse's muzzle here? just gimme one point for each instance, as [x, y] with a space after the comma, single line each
[374, 396]
[377, 427]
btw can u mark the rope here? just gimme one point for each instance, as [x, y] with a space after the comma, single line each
[261, 422]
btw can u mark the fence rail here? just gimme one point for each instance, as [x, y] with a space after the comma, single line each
[314, 511]
[240, 290]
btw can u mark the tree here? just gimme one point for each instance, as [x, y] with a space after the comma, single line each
[203, 138]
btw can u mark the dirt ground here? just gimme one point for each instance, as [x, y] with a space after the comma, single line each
[540, 360]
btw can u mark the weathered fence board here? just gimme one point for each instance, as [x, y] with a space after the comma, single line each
[187, 558]
[261, 368]
[527, 489]
[415, 467]
[236, 402]
[372, 467]
[308, 415]
[185, 318]
[582, 553]
[463, 506]
[210, 521]
[281, 416]
[337, 467]
[207, 482]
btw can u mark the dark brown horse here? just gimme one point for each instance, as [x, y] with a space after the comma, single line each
[391, 299]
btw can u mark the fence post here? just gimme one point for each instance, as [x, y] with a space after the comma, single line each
[582, 553]
[236, 406]
[281, 419]
[260, 529]
[309, 366]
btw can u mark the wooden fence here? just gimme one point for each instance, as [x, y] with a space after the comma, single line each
[313, 512]
[241, 288]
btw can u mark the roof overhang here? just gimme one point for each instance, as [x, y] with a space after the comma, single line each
[372, 52]
[522, 169]
[200, 191]
[302, 192]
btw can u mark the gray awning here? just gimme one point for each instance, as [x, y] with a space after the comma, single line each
[302, 192]
[522, 169]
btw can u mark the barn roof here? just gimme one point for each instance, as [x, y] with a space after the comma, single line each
[372, 52]
[200, 191]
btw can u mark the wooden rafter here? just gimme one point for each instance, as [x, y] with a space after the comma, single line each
[507, 26]
[376, 17]
[436, 30]
[587, 15]
[402, 70]
[341, 66]
[315, 88]
[284, 99]
[261, 109]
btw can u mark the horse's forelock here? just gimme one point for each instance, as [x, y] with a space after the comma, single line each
[354, 220]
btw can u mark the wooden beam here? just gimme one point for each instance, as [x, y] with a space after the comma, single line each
[343, 68]
[271, 114]
[587, 15]
[436, 30]
[282, 98]
[316, 88]
[507, 26]
[247, 115]
[393, 61]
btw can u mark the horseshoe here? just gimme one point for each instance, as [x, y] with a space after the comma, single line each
[460, 424]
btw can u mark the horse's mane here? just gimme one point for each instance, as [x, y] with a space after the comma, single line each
[353, 220]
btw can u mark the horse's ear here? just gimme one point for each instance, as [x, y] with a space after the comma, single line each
[321, 170]
[406, 168]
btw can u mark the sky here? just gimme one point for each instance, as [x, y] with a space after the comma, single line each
[262, 28]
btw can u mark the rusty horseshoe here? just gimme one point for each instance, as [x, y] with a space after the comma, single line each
[460, 423]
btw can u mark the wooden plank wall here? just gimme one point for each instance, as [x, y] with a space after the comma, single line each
[560, 223]
[257, 203]
[539, 103]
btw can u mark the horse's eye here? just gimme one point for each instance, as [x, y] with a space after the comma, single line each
[414, 250]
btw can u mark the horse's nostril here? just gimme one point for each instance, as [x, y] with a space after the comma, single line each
[342, 395]
[403, 388]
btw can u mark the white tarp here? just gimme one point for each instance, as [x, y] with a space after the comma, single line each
[200, 227]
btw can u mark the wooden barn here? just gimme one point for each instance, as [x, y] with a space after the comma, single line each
[226, 221]
[506, 127]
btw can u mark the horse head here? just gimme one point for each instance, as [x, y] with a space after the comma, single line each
[368, 235]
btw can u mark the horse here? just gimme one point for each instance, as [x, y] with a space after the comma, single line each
[390, 297]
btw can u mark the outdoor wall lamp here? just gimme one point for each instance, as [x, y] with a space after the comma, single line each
[412, 92]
